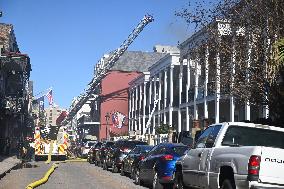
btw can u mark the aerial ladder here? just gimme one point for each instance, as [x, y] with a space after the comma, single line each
[101, 73]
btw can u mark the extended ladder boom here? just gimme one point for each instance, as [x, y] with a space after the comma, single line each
[108, 64]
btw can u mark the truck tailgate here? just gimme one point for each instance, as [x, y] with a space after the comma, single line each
[272, 165]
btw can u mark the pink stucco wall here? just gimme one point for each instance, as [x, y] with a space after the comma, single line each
[114, 97]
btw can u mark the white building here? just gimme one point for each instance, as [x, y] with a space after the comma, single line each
[190, 84]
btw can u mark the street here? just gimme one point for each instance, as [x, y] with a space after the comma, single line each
[71, 175]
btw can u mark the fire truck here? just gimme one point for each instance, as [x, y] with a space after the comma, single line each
[55, 143]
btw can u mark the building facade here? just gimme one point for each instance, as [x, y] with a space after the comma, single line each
[52, 113]
[15, 97]
[158, 84]
[190, 85]
[110, 105]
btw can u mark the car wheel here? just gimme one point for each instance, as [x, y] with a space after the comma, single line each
[132, 173]
[156, 184]
[104, 166]
[178, 181]
[137, 179]
[227, 184]
[122, 173]
[114, 168]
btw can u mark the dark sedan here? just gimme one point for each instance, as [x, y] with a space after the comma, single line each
[120, 150]
[158, 167]
[130, 162]
[93, 152]
[102, 152]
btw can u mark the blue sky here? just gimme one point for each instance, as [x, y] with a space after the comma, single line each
[66, 38]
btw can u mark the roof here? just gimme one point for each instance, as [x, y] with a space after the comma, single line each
[137, 61]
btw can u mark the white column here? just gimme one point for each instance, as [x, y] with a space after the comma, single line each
[140, 107]
[265, 108]
[165, 89]
[217, 93]
[187, 90]
[132, 118]
[247, 103]
[150, 96]
[233, 63]
[206, 82]
[165, 96]
[171, 85]
[180, 94]
[155, 96]
[144, 107]
[160, 97]
[171, 95]
[129, 111]
[195, 116]
[136, 107]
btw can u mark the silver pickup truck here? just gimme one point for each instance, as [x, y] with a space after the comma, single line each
[234, 155]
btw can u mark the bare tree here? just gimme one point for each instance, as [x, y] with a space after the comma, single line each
[256, 44]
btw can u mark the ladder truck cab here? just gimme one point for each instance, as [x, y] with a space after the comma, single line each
[56, 145]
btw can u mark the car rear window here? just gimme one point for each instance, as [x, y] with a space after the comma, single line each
[98, 145]
[89, 144]
[130, 144]
[144, 149]
[179, 150]
[247, 136]
[108, 144]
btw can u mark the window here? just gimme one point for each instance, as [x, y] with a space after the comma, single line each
[155, 150]
[202, 139]
[135, 150]
[179, 150]
[247, 136]
[212, 136]
[207, 138]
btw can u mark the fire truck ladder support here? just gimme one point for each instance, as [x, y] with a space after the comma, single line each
[109, 63]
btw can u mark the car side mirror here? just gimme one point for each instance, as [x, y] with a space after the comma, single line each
[210, 142]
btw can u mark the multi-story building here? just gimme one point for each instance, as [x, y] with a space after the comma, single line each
[110, 105]
[52, 113]
[14, 91]
[190, 84]
[159, 82]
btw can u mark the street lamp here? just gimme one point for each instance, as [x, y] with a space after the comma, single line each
[107, 120]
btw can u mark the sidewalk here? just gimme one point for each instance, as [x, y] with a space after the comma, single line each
[7, 164]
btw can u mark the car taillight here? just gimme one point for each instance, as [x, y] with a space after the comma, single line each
[253, 168]
[141, 158]
[167, 157]
[124, 149]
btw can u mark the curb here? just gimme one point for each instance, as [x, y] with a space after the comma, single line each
[15, 166]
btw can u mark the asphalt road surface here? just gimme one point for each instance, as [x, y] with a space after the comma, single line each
[71, 175]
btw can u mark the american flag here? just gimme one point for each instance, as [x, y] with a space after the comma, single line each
[49, 97]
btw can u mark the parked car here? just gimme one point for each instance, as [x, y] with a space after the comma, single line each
[86, 147]
[130, 162]
[158, 167]
[93, 152]
[103, 150]
[234, 155]
[119, 151]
